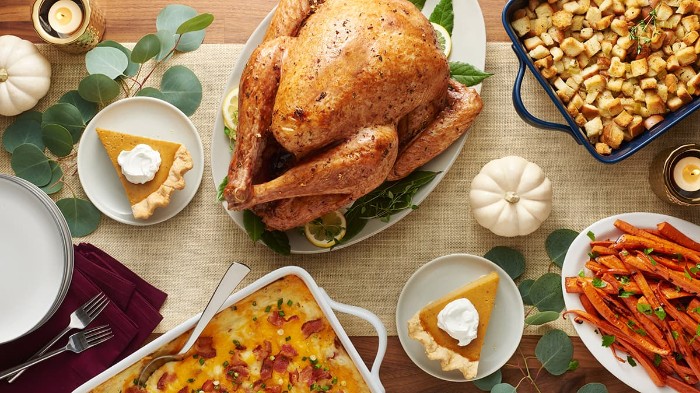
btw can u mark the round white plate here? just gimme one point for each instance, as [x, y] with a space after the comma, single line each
[33, 280]
[468, 45]
[444, 274]
[148, 117]
[576, 258]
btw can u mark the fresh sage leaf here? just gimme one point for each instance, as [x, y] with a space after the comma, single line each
[31, 164]
[105, 60]
[444, 15]
[87, 109]
[546, 293]
[524, 289]
[510, 260]
[167, 44]
[151, 92]
[170, 19]
[418, 3]
[56, 183]
[66, 115]
[593, 387]
[147, 48]
[277, 241]
[558, 243]
[57, 139]
[199, 22]
[20, 132]
[132, 68]
[220, 193]
[555, 351]
[467, 74]
[182, 88]
[503, 388]
[253, 225]
[98, 88]
[81, 215]
[488, 382]
[542, 317]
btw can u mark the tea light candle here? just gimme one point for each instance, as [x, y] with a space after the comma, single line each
[65, 17]
[686, 173]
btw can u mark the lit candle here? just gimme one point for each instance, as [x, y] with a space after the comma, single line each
[686, 173]
[65, 17]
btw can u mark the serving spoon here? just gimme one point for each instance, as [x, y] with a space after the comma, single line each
[233, 276]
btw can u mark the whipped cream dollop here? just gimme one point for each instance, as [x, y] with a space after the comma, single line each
[140, 164]
[460, 320]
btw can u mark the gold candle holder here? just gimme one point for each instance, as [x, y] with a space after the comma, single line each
[86, 37]
[664, 176]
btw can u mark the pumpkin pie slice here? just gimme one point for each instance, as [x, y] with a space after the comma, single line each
[441, 346]
[175, 162]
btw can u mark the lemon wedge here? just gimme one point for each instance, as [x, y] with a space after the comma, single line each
[229, 109]
[326, 231]
[443, 38]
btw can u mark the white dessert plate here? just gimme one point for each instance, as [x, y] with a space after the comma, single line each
[468, 45]
[575, 261]
[144, 116]
[444, 274]
[33, 280]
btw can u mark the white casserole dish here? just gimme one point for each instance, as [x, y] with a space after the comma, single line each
[326, 304]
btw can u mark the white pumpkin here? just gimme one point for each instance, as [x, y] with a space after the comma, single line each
[511, 196]
[25, 75]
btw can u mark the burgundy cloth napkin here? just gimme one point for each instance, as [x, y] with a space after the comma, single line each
[132, 314]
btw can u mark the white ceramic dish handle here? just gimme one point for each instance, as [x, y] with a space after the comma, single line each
[374, 321]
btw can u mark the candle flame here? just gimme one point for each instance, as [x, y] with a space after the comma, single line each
[691, 173]
[63, 15]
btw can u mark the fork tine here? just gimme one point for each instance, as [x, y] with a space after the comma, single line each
[99, 336]
[93, 343]
[94, 302]
[95, 311]
[96, 330]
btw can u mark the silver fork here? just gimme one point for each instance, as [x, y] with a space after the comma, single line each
[78, 342]
[79, 319]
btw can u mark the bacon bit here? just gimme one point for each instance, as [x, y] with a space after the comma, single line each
[310, 375]
[204, 347]
[294, 377]
[311, 327]
[164, 380]
[263, 351]
[208, 386]
[135, 389]
[288, 351]
[266, 369]
[273, 389]
[319, 374]
[276, 320]
[280, 364]
[306, 375]
[240, 369]
[183, 390]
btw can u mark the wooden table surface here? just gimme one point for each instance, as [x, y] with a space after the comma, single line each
[235, 20]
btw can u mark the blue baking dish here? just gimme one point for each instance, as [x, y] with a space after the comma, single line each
[625, 150]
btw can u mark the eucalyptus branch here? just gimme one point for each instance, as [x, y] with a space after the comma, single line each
[136, 78]
[172, 51]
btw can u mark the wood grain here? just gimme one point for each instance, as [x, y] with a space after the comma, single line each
[235, 20]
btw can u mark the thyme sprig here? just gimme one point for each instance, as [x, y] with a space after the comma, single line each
[642, 26]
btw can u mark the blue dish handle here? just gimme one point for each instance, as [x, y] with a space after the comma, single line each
[524, 114]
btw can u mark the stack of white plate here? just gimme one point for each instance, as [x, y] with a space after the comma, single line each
[36, 258]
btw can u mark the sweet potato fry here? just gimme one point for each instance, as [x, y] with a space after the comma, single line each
[611, 261]
[654, 374]
[649, 328]
[657, 244]
[675, 278]
[687, 352]
[600, 250]
[602, 243]
[670, 232]
[673, 292]
[693, 309]
[681, 386]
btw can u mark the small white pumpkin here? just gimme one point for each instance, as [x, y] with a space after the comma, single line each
[511, 196]
[25, 75]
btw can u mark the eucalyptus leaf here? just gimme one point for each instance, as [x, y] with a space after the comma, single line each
[167, 44]
[147, 48]
[503, 388]
[542, 317]
[57, 139]
[20, 132]
[253, 225]
[133, 68]
[170, 19]
[444, 15]
[199, 22]
[66, 115]
[277, 241]
[151, 92]
[81, 215]
[98, 88]
[510, 260]
[488, 382]
[31, 164]
[546, 293]
[55, 184]
[87, 109]
[524, 289]
[31, 115]
[191, 41]
[105, 60]
[557, 244]
[593, 387]
[182, 88]
[555, 351]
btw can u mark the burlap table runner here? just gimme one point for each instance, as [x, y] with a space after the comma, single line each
[186, 255]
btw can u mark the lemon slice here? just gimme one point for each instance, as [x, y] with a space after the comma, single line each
[326, 231]
[443, 38]
[230, 111]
